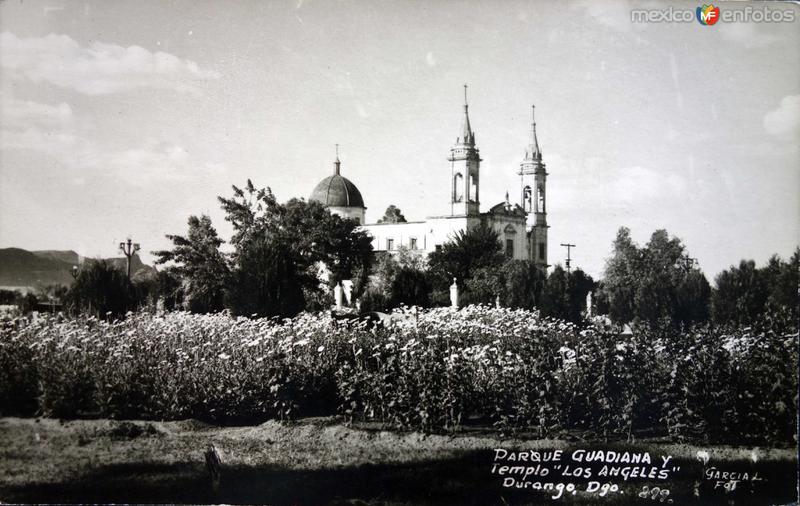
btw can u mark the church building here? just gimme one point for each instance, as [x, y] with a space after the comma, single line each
[522, 227]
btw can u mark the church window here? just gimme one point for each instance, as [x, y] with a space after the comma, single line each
[412, 243]
[527, 202]
[458, 192]
[389, 244]
[473, 189]
[540, 199]
[541, 251]
[510, 248]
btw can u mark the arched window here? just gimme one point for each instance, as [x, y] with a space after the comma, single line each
[540, 199]
[509, 234]
[527, 201]
[458, 185]
[473, 188]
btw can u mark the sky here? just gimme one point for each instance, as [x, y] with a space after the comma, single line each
[121, 119]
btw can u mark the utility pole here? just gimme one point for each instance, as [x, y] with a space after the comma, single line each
[129, 249]
[687, 262]
[569, 257]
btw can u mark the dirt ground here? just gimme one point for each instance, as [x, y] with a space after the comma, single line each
[319, 462]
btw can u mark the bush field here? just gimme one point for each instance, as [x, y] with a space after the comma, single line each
[436, 370]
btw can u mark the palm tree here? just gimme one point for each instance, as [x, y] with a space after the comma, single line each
[469, 251]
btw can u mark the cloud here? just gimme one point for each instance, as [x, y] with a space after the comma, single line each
[785, 120]
[430, 59]
[155, 161]
[614, 15]
[638, 184]
[36, 139]
[49, 130]
[18, 112]
[99, 69]
[593, 184]
[35, 126]
[362, 111]
[747, 34]
[152, 162]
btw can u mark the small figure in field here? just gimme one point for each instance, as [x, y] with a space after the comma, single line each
[214, 466]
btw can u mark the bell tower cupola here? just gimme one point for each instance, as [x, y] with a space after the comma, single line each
[465, 164]
[533, 196]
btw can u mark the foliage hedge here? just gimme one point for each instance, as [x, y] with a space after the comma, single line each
[433, 370]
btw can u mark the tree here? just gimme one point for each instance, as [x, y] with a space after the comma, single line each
[744, 294]
[619, 283]
[579, 285]
[306, 234]
[102, 290]
[783, 280]
[564, 294]
[524, 283]
[692, 298]
[201, 264]
[9, 297]
[410, 258]
[741, 294]
[166, 287]
[386, 268]
[266, 280]
[469, 251]
[660, 272]
[484, 285]
[52, 294]
[382, 293]
[345, 249]
[411, 287]
[392, 215]
[555, 298]
[27, 303]
[654, 282]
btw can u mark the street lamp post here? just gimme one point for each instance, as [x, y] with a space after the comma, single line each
[129, 249]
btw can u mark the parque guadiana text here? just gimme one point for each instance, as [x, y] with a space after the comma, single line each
[561, 474]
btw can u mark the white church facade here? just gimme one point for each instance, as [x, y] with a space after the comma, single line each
[522, 227]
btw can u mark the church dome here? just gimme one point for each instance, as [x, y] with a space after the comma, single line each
[337, 191]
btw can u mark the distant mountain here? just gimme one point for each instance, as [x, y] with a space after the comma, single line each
[139, 269]
[19, 267]
[70, 256]
[23, 268]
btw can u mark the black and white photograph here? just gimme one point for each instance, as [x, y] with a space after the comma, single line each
[400, 252]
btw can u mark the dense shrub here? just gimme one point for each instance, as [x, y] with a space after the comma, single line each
[431, 370]
[19, 381]
[102, 290]
[266, 281]
[411, 287]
